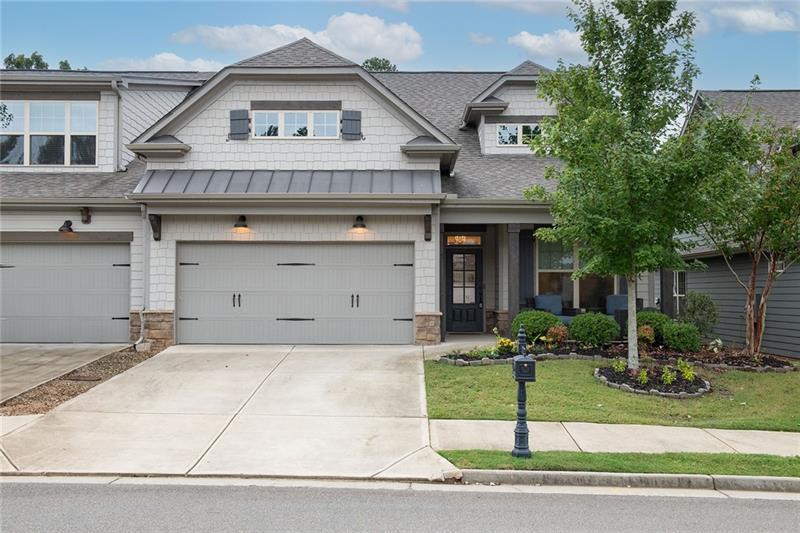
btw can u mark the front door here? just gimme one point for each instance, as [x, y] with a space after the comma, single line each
[464, 289]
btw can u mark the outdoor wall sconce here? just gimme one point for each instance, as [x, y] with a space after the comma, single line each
[428, 223]
[359, 226]
[66, 227]
[155, 225]
[86, 215]
[241, 225]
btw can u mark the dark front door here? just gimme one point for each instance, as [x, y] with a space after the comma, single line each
[464, 290]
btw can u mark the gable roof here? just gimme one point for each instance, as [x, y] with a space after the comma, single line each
[528, 67]
[782, 106]
[302, 53]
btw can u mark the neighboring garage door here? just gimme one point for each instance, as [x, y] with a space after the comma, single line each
[65, 292]
[310, 293]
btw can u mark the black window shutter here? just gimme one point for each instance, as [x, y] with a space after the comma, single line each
[240, 125]
[351, 125]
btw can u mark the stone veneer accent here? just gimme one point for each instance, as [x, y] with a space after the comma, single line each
[500, 320]
[159, 328]
[428, 328]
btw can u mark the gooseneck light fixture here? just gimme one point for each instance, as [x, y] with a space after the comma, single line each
[241, 225]
[66, 227]
[359, 224]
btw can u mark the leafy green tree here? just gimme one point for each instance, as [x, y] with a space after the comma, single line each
[33, 62]
[379, 64]
[626, 185]
[20, 61]
[754, 209]
[5, 116]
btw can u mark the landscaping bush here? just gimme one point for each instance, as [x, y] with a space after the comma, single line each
[682, 336]
[556, 336]
[654, 319]
[699, 309]
[647, 334]
[536, 323]
[594, 328]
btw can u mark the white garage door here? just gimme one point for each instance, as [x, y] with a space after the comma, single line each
[360, 293]
[72, 292]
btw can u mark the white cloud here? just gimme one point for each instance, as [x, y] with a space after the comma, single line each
[162, 61]
[757, 19]
[480, 39]
[564, 44]
[355, 36]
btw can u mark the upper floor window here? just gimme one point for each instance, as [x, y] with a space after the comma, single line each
[293, 124]
[516, 134]
[49, 133]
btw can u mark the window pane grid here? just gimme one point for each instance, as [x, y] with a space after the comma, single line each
[16, 113]
[83, 117]
[326, 124]
[509, 134]
[47, 117]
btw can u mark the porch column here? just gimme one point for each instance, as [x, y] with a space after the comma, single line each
[513, 270]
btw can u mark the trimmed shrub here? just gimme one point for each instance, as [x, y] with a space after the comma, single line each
[646, 334]
[536, 323]
[595, 329]
[699, 309]
[557, 335]
[682, 336]
[654, 319]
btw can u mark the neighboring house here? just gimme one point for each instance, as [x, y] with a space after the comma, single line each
[292, 197]
[782, 331]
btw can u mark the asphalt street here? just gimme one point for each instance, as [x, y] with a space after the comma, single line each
[152, 507]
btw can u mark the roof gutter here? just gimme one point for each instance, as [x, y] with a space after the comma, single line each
[473, 110]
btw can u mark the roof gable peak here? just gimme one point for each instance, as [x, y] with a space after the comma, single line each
[301, 53]
[528, 67]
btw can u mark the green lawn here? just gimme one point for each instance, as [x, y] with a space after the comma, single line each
[665, 463]
[566, 391]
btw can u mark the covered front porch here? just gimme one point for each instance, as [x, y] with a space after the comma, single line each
[493, 266]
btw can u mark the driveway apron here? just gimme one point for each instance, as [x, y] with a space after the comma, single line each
[309, 411]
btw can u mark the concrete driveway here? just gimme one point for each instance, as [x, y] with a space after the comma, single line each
[25, 366]
[310, 411]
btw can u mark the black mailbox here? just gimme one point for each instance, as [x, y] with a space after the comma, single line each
[524, 368]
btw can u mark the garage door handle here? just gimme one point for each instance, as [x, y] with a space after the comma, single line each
[358, 296]
[240, 299]
[234, 299]
[352, 301]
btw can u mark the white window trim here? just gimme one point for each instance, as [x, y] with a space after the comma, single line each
[67, 134]
[309, 121]
[676, 287]
[519, 133]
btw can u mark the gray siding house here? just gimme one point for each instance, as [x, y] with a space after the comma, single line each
[782, 331]
[292, 197]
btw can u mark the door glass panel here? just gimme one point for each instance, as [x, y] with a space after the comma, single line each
[469, 278]
[458, 262]
[469, 261]
[458, 278]
[469, 296]
[458, 295]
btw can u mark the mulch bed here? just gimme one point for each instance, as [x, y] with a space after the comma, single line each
[57, 391]
[679, 388]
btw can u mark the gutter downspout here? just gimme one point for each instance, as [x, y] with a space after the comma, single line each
[146, 275]
[117, 125]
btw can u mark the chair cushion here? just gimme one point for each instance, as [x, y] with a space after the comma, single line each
[549, 302]
[616, 302]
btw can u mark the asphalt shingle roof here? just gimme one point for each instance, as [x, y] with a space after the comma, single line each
[781, 106]
[70, 184]
[302, 53]
[441, 97]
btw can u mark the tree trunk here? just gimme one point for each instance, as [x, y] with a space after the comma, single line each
[761, 312]
[751, 325]
[633, 337]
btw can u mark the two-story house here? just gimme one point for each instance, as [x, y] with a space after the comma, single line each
[292, 197]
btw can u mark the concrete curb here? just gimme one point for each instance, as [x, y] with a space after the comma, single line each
[618, 479]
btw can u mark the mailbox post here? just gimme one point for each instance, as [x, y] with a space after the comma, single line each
[523, 370]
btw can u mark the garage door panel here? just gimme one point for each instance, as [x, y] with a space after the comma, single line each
[68, 292]
[316, 281]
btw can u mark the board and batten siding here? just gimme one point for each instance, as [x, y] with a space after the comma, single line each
[782, 334]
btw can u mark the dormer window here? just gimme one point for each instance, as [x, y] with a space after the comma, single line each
[296, 124]
[50, 133]
[516, 134]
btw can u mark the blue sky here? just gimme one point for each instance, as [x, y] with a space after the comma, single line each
[735, 39]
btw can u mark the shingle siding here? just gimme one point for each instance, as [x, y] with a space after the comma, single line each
[384, 133]
[782, 334]
[141, 108]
